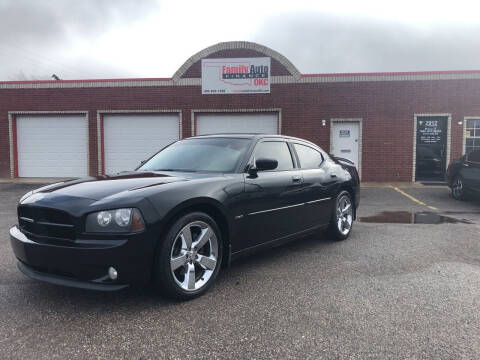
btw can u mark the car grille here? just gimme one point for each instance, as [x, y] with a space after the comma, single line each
[41, 222]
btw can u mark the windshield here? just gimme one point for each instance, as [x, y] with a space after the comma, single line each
[207, 154]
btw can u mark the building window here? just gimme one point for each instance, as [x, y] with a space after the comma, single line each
[472, 135]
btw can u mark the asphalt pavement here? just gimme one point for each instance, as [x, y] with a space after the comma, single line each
[389, 291]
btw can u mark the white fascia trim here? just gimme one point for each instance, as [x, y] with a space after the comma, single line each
[53, 112]
[86, 84]
[389, 77]
[284, 79]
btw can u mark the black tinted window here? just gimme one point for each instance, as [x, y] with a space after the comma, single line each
[276, 150]
[474, 156]
[309, 158]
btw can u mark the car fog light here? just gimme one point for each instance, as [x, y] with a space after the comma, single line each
[112, 273]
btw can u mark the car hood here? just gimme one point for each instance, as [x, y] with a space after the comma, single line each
[97, 188]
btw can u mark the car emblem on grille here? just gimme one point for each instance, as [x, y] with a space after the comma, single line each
[33, 198]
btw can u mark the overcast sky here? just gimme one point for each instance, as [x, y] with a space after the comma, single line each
[78, 39]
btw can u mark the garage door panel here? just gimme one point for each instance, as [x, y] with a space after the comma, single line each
[52, 146]
[131, 138]
[51, 159]
[264, 123]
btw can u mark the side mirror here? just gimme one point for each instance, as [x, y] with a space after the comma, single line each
[263, 164]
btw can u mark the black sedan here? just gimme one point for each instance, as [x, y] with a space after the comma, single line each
[194, 206]
[463, 175]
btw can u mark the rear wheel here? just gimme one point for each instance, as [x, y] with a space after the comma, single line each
[189, 258]
[458, 189]
[342, 218]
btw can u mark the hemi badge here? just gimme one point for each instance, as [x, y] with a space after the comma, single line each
[238, 217]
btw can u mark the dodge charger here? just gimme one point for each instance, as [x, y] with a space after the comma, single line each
[183, 214]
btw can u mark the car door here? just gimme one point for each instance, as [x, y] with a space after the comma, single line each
[471, 171]
[273, 198]
[317, 186]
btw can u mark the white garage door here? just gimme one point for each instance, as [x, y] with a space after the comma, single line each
[131, 138]
[52, 146]
[237, 123]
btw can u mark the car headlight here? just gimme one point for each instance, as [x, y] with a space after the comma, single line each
[115, 221]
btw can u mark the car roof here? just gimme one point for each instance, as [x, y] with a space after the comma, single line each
[255, 136]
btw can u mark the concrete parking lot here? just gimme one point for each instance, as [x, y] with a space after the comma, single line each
[392, 290]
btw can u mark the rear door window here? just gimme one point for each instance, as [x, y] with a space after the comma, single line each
[309, 157]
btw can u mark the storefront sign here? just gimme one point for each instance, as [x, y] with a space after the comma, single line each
[429, 132]
[236, 76]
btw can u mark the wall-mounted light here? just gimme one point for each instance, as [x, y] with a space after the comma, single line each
[324, 122]
[460, 122]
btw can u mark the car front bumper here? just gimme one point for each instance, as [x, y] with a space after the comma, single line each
[85, 264]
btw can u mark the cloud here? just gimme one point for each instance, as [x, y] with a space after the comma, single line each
[35, 35]
[325, 44]
[132, 38]
[54, 21]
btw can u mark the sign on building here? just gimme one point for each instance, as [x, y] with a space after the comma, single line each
[236, 76]
[344, 133]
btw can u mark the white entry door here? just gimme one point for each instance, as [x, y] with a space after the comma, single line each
[345, 140]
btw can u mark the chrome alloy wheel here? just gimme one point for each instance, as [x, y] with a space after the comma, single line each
[457, 188]
[344, 215]
[194, 254]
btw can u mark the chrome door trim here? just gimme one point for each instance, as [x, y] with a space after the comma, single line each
[318, 200]
[288, 207]
[280, 208]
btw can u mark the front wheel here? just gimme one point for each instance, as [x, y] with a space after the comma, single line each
[189, 257]
[342, 217]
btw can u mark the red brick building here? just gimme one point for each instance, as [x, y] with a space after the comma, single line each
[395, 126]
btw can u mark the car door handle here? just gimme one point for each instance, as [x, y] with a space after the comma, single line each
[333, 176]
[296, 178]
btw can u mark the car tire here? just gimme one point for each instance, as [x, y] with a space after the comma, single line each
[189, 257]
[458, 188]
[342, 217]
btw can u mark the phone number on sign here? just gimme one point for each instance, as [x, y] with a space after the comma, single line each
[215, 91]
